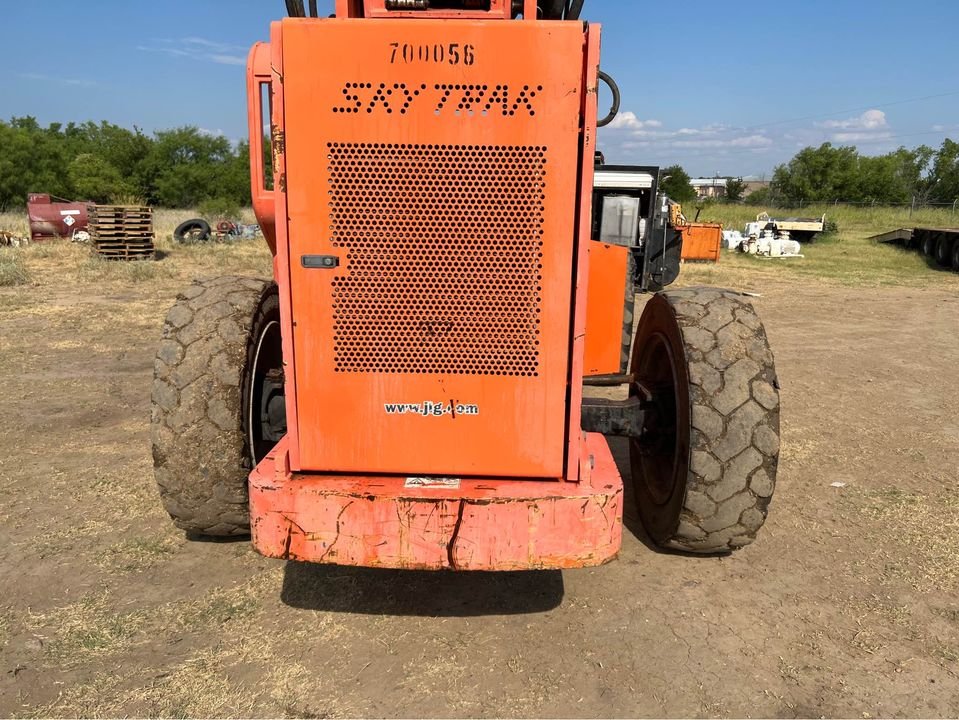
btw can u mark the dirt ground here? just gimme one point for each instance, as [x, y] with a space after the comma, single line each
[847, 605]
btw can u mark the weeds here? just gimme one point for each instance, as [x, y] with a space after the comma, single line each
[95, 269]
[137, 554]
[13, 270]
[89, 627]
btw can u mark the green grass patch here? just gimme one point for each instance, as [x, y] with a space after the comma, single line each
[847, 256]
[89, 627]
[137, 554]
[222, 606]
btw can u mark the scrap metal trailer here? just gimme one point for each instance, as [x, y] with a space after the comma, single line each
[802, 229]
[939, 244]
[407, 391]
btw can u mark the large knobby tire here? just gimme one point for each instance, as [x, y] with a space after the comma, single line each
[705, 470]
[928, 244]
[201, 453]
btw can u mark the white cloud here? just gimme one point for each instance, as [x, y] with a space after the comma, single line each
[628, 120]
[228, 59]
[197, 48]
[746, 141]
[628, 132]
[74, 82]
[869, 120]
[849, 137]
[870, 126]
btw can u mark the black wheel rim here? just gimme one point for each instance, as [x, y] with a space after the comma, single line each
[266, 421]
[658, 450]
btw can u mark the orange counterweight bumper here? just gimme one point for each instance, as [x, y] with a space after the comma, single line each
[472, 524]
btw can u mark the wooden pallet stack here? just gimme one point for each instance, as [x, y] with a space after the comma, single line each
[122, 232]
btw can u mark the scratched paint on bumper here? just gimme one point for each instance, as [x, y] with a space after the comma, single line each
[482, 525]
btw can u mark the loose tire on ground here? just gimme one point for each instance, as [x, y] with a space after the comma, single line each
[192, 231]
[705, 472]
[201, 456]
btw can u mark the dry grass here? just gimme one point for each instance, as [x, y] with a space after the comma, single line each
[5, 623]
[16, 223]
[13, 269]
[922, 536]
[159, 626]
[99, 624]
[87, 628]
[203, 685]
[846, 257]
[199, 687]
[60, 263]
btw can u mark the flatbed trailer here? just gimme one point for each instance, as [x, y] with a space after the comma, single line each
[941, 244]
[802, 229]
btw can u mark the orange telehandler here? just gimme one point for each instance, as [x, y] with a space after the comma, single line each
[407, 390]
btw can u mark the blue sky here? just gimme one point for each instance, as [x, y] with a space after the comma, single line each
[721, 87]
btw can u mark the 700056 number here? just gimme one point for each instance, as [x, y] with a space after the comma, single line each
[452, 54]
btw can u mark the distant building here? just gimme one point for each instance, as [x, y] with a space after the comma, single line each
[715, 188]
[709, 187]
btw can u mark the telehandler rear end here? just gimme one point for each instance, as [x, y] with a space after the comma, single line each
[407, 390]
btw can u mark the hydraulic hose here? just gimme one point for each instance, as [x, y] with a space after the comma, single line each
[614, 110]
[575, 9]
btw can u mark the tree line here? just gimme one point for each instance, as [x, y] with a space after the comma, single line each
[828, 173]
[185, 167]
[106, 163]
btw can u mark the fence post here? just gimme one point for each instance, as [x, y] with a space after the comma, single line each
[954, 206]
[913, 206]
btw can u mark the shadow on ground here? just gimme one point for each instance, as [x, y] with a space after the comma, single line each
[376, 591]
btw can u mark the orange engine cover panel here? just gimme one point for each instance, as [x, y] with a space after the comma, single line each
[434, 165]
[605, 307]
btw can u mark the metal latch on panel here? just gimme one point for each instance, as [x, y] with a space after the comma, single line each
[320, 262]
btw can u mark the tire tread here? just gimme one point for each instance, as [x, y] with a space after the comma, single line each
[734, 441]
[199, 446]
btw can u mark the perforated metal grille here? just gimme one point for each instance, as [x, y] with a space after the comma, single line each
[444, 257]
